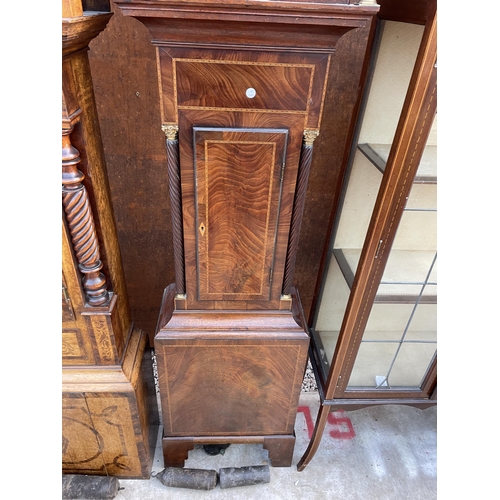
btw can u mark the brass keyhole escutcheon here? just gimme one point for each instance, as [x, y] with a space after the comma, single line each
[202, 229]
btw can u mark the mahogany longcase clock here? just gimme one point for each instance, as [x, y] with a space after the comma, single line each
[242, 89]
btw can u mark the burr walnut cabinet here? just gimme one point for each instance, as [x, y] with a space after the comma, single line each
[242, 91]
[109, 407]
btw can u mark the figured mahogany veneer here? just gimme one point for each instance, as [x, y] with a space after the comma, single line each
[216, 84]
[207, 78]
[279, 193]
[246, 371]
[237, 214]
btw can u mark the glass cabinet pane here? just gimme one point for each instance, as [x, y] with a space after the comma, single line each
[399, 341]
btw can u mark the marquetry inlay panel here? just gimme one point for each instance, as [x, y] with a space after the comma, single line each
[99, 435]
[73, 348]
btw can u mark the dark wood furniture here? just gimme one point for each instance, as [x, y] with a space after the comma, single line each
[109, 407]
[373, 325]
[123, 64]
[242, 93]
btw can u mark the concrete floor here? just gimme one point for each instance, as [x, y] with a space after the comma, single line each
[386, 453]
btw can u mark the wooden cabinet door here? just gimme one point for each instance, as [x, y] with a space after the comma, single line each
[238, 176]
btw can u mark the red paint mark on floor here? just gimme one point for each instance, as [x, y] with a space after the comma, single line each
[343, 424]
[343, 428]
[309, 422]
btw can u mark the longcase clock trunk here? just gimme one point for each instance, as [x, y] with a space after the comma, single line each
[242, 92]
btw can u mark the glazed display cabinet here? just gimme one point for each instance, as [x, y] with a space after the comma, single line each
[373, 327]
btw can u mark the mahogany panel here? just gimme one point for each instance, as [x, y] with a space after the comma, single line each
[226, 366]
[292, 36]
[207, 77]
[188, 119]
[408, 12]
[245, 370]
[126, 87]
[241, 386]
[295, 9]
[123, 67]
[238, 176]
[224, 84]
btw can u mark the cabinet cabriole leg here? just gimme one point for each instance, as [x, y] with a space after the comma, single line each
[316, 438]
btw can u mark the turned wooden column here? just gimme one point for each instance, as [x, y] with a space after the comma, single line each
[298, 208]
[81, 224]
[174, 184]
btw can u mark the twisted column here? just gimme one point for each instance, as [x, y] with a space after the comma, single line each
[81, 224]
[298, 207]
[174, 186]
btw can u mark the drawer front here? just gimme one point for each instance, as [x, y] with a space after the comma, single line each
[243, 85]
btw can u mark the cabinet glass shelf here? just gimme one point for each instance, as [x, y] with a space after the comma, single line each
[427, 169]
[397, 284]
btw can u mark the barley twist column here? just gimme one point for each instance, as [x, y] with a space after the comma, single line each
[174, 186]
[298, 207]
[81, 224]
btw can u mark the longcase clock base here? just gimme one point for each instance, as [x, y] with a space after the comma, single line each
[280, 448]
[229, 377]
